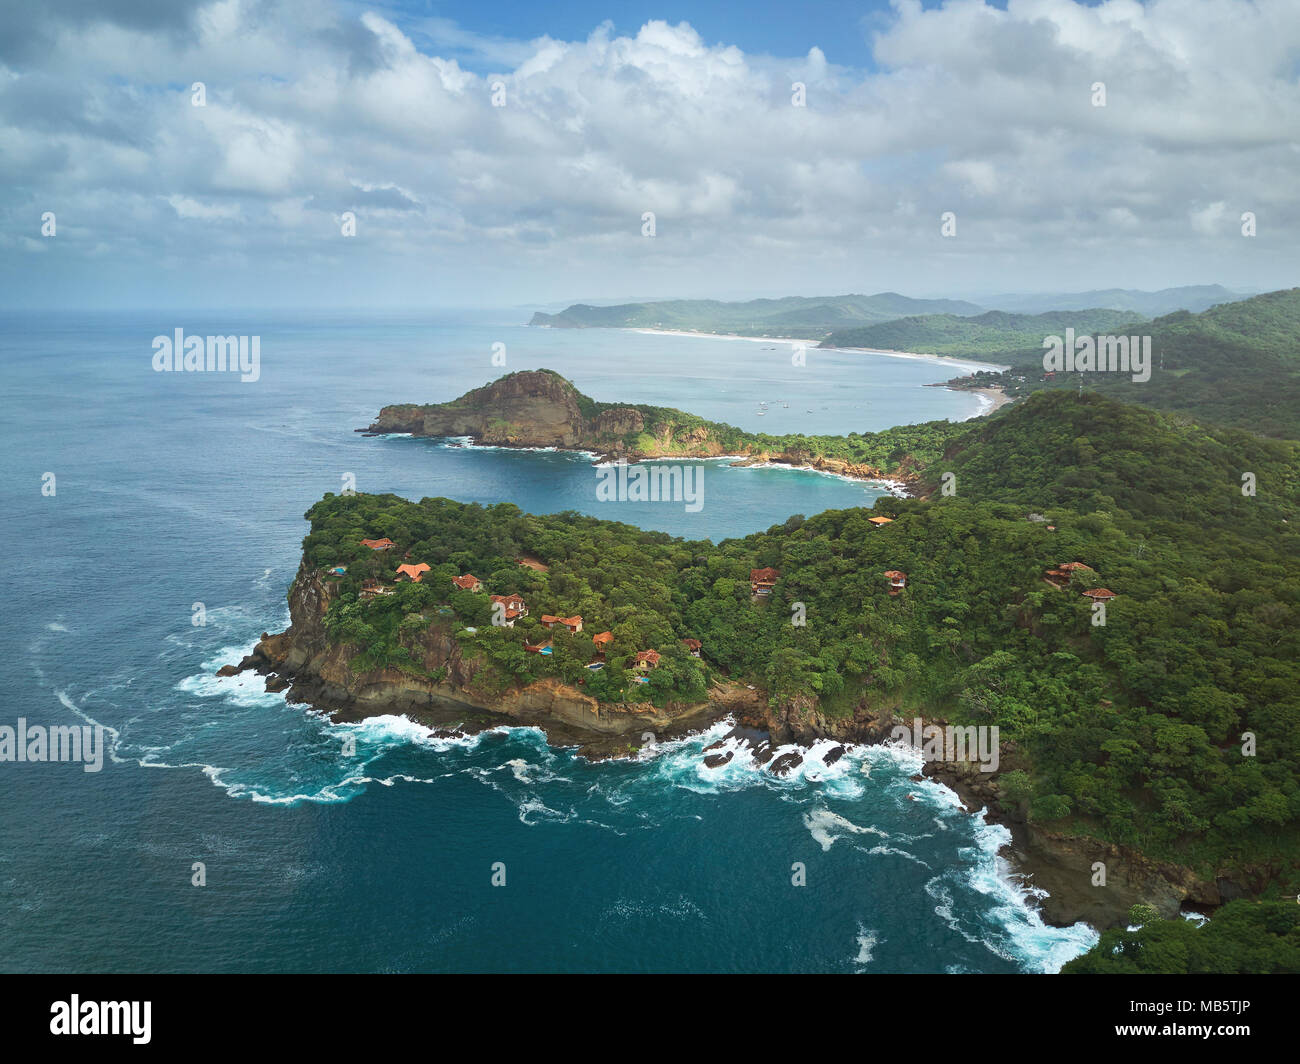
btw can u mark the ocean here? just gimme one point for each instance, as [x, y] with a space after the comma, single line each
[180, 497]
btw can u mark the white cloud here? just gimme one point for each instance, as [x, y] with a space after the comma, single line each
[313, 111]
[192, 208]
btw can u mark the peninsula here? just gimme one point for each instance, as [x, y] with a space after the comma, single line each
[1119, 742]
[540, 408]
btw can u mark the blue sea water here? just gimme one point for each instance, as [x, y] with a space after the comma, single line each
[377, 855]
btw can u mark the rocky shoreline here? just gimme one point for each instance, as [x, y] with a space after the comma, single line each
[1057, 867]
[904, 482]
[537, 409]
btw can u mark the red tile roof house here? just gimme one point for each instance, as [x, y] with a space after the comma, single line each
[468, 582]
[761, 581]
[647, 659]
[693, 645]
[602, 639]
[514, 604]
[897, 580]
[573, 624]
[378, 544]
[412, 572]
[1100, 594]
[880, 521]
[1060, 576]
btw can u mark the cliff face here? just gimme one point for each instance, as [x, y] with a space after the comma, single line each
[534, 408]
[322, 673]
[531, 409]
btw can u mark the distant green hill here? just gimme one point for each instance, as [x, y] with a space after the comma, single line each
[1194, 298]
[805, 317]
[979, 336]
[1234, 364]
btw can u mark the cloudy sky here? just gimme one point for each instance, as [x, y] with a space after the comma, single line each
[388, 111]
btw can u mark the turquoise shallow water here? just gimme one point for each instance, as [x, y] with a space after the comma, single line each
[184, 488]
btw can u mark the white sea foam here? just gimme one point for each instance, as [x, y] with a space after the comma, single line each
[867, 942]
[1012, 929]
[112, 733]
[466, 443]
[827, 827]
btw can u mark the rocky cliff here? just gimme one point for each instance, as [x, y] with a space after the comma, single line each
[323, 673]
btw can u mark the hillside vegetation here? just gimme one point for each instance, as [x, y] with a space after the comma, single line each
[1129, 731]
[1235, 364]
[978, 336]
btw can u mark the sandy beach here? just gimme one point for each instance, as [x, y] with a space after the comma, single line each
[947, 360]
[993, 398]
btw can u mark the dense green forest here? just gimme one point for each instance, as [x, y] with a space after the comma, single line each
[1235, 364]
[1244, 937]
[1130, 731]
[980, 336]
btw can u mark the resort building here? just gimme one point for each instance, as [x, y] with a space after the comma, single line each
[412, 572]
[881, 521]
[693, 645]
[647, 659]
[761, 581]
[1060, 576]
[514, 604]
[378, 544]
[897, 580]
[468, 582]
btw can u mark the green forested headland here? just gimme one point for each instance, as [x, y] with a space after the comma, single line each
[1130, 732]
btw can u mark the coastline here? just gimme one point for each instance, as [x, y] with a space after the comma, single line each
[1037, 865]
[829, 467]
[994, 398]
[920, 356]
[311, 669]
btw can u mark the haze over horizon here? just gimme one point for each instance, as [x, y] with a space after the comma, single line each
[386, 111]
